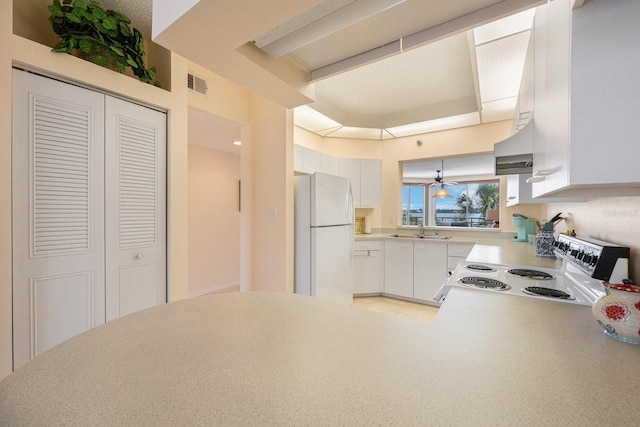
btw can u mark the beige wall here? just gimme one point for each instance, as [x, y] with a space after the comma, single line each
[272, 188]
[224, 98]
[307, 139]
[5, 190]
[612, 219]
[214, 219]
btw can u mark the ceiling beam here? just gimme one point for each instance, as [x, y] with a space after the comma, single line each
[429, 35]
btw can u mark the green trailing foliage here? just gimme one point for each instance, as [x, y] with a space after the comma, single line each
[102, 35]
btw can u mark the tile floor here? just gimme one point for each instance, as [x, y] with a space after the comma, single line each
[390, 306]
[395, 307]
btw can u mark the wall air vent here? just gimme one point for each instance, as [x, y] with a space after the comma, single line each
[197, 84]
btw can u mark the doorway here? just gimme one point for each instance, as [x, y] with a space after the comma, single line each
[214, 203]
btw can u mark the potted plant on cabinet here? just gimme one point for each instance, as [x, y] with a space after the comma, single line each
[104, 37]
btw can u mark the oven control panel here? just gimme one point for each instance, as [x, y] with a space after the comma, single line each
[595, 257]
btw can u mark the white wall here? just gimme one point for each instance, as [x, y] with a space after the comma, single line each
[612, 219]
[214, 219]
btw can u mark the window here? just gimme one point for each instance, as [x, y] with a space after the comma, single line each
[470, 180]
[470, 205]
[412, 204]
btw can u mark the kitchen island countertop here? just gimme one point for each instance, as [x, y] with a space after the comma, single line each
[276, 358]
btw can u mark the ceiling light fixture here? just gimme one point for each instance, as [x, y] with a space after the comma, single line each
[318, 22]
[442, 193]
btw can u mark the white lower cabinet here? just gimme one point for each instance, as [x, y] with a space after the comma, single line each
[398, 267]
[368, 267]
[456, 253]
[429, 269]
[414, 269]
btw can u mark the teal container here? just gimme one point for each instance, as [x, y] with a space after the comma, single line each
[525, 227]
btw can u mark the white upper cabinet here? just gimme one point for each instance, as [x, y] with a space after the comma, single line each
[586, 99]
[308, 161]
[365, 176]
[370, 179]
[330, 164]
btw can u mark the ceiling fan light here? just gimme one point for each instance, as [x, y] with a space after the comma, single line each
[442, 193]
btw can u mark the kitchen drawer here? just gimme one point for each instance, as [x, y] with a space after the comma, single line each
[368, 245]
[459, 249]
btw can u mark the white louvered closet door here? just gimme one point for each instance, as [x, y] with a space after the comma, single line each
[135, 171]
[58, 213]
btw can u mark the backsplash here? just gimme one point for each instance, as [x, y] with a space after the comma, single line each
[613, 219]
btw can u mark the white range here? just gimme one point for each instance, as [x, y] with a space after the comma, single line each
[586, 264]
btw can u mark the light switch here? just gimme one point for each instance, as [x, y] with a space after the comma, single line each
[273, 213]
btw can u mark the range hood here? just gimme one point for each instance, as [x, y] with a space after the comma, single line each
[514, 155]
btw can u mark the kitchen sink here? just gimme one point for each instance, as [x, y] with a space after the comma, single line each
[417, 236]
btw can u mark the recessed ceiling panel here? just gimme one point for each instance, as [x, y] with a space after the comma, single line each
[433, 74]
[453, 122]
[496, 111]
[308, 118]
[504, 27]
[357, 133]
[500, 65]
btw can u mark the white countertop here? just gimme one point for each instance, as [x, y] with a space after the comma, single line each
[491, 250]
[275, 358]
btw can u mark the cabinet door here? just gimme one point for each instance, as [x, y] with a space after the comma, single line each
[311, 160]
[513, 188]
[367, 270]
[350, 169]
[398, 267]
[58, 213]
[135, 219]
[552, 73]
[330, 164]
[370, 178]
[429, 269]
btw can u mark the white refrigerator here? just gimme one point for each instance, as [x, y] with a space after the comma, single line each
[324, 237]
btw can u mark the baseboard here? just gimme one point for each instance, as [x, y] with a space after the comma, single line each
[212, 289]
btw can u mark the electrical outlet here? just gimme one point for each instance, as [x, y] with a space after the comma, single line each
[273, 213]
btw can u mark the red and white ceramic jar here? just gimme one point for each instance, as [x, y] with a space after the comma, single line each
[618, 312]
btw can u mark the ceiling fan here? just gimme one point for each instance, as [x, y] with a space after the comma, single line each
[439, 181]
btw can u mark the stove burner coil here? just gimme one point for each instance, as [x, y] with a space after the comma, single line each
[546, 292]
[485, 283]
[479, 267]
[530, 274]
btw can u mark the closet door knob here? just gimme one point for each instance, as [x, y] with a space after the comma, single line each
[139, 256]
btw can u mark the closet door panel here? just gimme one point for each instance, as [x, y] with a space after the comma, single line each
[136, 207]
[58, 213]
